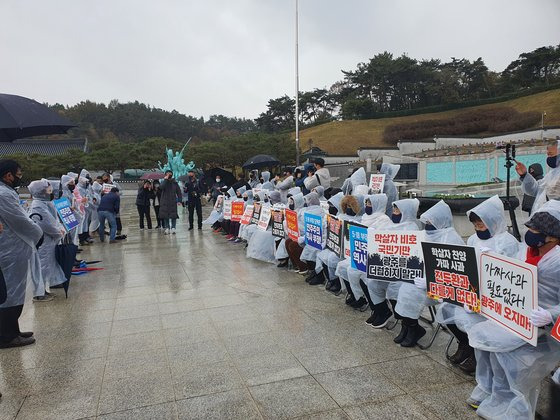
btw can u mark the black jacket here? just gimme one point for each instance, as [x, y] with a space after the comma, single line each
[195, 188]
[144, 196]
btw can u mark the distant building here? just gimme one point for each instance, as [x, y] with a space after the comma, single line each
[45, 147]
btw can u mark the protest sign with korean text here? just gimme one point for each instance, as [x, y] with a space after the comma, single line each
[556, 330]
[237, 210]
[508, 294]
[346, 237]
[376, 183]
[358, 247]
[452, 274]
[313, 230]
[256, 213]
[67, 216]
[335, 235]
[247, 215]
[108, 187]
[227, 209]
[278, 224]
[292, 224]
[219, 202]
[395, 255]
[264, 219]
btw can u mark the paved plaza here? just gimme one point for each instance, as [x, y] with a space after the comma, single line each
[185, 326]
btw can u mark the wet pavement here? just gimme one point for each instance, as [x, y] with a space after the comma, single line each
[186, 327]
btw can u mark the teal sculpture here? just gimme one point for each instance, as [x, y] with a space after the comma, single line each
[176, 162]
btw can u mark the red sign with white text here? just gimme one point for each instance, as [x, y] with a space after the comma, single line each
[556, 330]
[237, 209]
[292, 224]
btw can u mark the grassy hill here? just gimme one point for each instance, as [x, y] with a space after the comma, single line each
[345, 137]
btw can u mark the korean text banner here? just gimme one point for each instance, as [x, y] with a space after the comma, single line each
[508, 294]
[452, 274]
[335, 235]
[227, 209]
[292, 224]
[247, 215]
[376, 183]
[313, 230]
[67, 216]
[256, 213]
[395, 255]
[346, 237]
[237, 210]
[358, 247]
[264, 220]
[278, 224]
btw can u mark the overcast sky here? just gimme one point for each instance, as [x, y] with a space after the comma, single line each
[231, 56]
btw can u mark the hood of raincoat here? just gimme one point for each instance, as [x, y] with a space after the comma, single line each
[249, 195]
[361, 190]
[408, 208]
[294, 191]
[39, 189]
[377, 219]
[74, 175]
[65, 180]
[97, 188]
[312, 199]
[84, 173]
[82, 182]
[231, 193]
[298, 201]
[390, 170]
[241, 190]
[438, 215]
[491, 212]
[265, 176]
[336, 200]
[320, 190]
[275, 197]
[378, 202]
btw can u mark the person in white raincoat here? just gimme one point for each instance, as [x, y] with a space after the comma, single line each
[261, 246]
[295, 248]
[68, 185]
[374, 217]
[85, 192]
[509, 371]
[412, 298]
[18, 255]
[357, 178]
[47, 219]
[285, 185]
[281, 252]
[547, 188]
[320, 190]
[265, 183]
[389, 188]
[96, 189]
[489, 221]
[248, 200]
[309, 254]
[404, 218]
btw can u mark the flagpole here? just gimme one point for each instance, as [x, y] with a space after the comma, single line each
[297, 85]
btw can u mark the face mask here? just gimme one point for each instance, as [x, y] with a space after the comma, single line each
[51, 196]
[430, 227]
[261, 181]
[305, 205]
[218, 179]
[350, 212]
[245, 198]
[71, 187]
[551, 161]
[292, 207]
[483, 234]
[396, 218]
[266, 200]
[16, 182]
[535, 240]
[333, 211]
[369, 210]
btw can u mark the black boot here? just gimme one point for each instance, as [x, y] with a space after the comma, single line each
[350, 298]
[366, 293]
[405, 324]
[469, 365]
[382, 315]
[415, 333]
[318, 279]
[463, 350]
[371, 318]
[394, 305]
[360, 304]
[312, 274]
[283, 263]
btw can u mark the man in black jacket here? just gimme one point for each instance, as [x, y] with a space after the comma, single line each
[195, 189]
[143, 203]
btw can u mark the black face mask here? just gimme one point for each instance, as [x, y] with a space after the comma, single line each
[350, 212]
[245, 198]
[261, 181]
[333, 211]
[71, 187]
[266, 200]
[430, 227]
[51, 196]
[292, 207]
[535, 240]
[369, 210]
[483, 234]
[396, 218]
[551, 161]
[16, 182]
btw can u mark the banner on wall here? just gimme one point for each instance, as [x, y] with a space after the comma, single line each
[227, 209]
[65, 213]
[335, 235]
[508, 294]
[292, 224]
[395, 255]
[452, 274]
[358, 247]
[247, 215]
[278, 224]
[237, 210]
[256, 213]
[264, 219]
[313, 230]
[376, 183]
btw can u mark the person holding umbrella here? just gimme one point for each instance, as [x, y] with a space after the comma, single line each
[18, 243]
[217, 188]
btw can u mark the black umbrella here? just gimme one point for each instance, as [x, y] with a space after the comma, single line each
[227, 177]
[23, 117]
[260, 161]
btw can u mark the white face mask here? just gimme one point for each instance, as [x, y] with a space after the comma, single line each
[218, 179]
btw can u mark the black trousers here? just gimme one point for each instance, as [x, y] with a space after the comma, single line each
[144, 211]
[159, 222]
[195, 203]
[9, 323]
[119, 225]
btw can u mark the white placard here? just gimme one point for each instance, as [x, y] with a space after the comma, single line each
[264, 219]
[376, 183]
[227, 209]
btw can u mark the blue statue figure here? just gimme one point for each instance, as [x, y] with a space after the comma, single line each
[176, 163]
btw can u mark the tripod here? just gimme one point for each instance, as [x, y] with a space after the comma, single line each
[510, 158]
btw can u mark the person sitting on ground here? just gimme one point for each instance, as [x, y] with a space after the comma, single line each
[309, 253]
[262, 245]
[295, 248]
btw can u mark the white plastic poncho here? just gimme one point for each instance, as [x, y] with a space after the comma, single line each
[326, 257]
[65, 181]
[261, 245]
[266, 185]
[320, 190]
[389, 188]
[53, 232]
[18, 256]
[411, 300]
[491, 212]
[284, 187]
[357, 178]
[216, 215]
[380, 290]
[96, 190]
[314, 207]
[544, 189]
[85, 192]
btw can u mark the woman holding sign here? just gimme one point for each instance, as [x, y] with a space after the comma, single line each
[262, 245]
[509, 370]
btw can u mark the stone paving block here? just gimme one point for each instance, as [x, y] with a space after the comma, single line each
[398, 408]
[271, 367]
[166, 411]
[194, 381]
[234, 404]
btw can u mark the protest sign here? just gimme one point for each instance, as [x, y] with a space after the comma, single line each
[358, 247]
[67, 216]
[556, 330]
[292, 224]
[227, 209]
[335, 235]
[376, 183]
[278, 224]
[264, 219]
[107, 188]
[237, 209]
[508, 294]
[313, 230]
[452, 274]
[395, 255]
[247, 215]
[219, 202]
[346, 233]
[256, 213]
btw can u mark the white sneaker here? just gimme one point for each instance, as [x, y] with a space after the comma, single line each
[166, 232]
[173, 231]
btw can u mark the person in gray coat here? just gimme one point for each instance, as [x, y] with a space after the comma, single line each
[171, 197]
